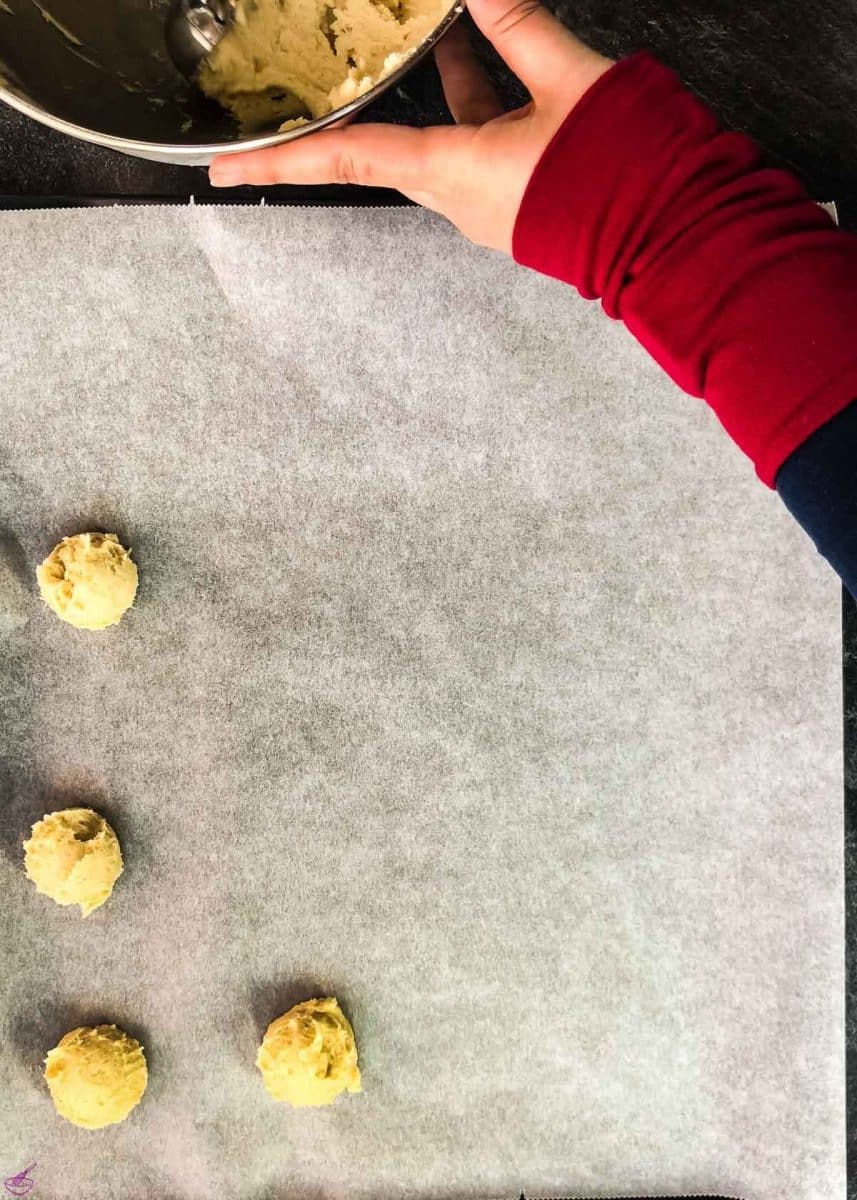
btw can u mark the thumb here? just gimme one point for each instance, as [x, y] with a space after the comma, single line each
[547, 58]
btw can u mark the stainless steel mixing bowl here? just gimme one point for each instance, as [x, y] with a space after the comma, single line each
[98, 70]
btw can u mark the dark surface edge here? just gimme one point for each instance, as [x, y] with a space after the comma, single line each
[849, 664]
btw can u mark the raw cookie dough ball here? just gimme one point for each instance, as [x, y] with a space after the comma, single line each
[308, 1056]
[89, 580]
[73, 856]
[96, 1076]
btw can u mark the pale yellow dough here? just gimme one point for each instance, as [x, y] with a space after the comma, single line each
[89, 580]
[96, 1075]
[73, 856]
[308, 1056]
[286, 59]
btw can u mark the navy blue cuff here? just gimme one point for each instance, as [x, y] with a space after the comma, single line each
[818, 485]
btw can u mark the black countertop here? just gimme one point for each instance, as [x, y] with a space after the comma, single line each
[783, 71]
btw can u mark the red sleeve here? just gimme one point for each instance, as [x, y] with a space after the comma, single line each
[733, 280]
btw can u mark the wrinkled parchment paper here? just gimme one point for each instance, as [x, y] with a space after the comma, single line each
[473, 679]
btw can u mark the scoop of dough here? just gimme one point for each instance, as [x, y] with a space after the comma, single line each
[73, 856]
[89, 580]
[308, 1055]
[96, 1075]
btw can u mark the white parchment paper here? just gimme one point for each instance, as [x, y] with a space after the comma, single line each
[473, 678]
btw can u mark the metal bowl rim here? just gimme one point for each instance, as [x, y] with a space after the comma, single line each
[184, 150]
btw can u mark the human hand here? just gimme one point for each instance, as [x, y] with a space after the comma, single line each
[474, 173]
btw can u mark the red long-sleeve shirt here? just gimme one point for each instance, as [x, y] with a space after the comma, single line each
[724, 269]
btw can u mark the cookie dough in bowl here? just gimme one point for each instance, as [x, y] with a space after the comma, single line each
[291, 60]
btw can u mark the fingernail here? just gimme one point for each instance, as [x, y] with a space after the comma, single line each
[223, 173]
